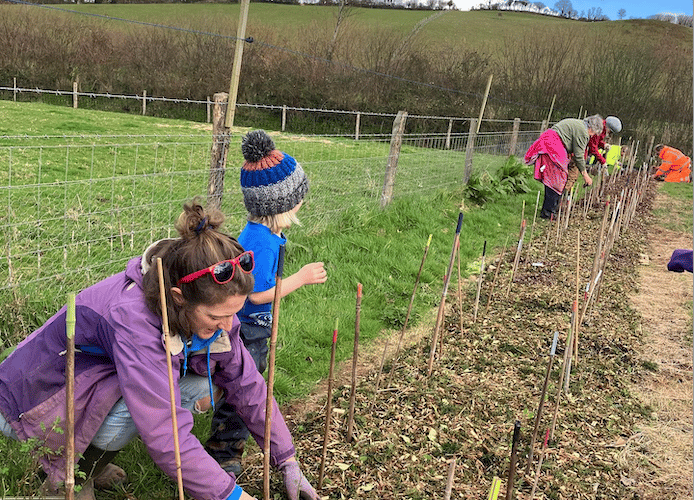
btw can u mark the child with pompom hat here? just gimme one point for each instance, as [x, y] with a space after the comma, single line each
[274, 185]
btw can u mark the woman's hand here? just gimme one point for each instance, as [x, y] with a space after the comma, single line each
[298, 487]
[587, 178]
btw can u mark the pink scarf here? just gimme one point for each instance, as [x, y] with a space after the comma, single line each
[551, 160]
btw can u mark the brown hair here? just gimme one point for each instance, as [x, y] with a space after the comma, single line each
[200, 245]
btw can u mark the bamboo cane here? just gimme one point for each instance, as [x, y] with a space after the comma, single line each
[442, 305]
[479, 281]
[460, 292]
[541, 405]
[549, 231]
[449, 482]
[328, 407]
[70, 320]
[532, 227]
[522, 212]
[539, 465]
[495, 489]
[496, 274]
[169, 366]
[271, 372]
[516, 259]
[512, 466]
[571, 345]
[567, 349]
[560, 220]
[409, 309]
[578, 276]
[353, 393]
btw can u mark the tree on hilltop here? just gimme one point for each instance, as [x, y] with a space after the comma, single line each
[565, 8]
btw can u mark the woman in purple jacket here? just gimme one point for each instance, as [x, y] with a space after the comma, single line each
[121, 382]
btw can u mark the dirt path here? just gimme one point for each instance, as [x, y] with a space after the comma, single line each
[661, 452]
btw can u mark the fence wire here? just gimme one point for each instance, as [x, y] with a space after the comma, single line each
[78, 208]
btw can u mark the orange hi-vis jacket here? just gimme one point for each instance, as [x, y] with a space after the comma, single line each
[676, 167]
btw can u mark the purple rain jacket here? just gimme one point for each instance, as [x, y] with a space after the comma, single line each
[112, 315]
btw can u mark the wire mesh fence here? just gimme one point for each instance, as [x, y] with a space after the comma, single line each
[77, 208]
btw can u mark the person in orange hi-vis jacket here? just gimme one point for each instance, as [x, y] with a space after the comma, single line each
[675, 166]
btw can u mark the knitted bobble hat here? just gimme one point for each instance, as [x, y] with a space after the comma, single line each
[272, 182]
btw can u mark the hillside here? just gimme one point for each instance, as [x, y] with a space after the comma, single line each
[282, 23]
[374, 60]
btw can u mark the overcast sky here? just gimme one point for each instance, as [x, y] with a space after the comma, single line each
[633, 8]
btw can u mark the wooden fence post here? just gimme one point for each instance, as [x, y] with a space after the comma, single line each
[650, 150]
[144, 102]
[469, 150]
[356, 127]
[448, 134]
[544, 126]
[14, 93]
[220, 146]
[74, 94]
[209, 110]
[514, 137]
[392, 164]
[284, 116]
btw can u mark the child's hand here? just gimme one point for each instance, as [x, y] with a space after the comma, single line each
[313, 273]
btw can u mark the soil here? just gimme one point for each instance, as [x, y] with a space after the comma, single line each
[622, 430]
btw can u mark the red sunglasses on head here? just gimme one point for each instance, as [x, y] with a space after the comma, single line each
[223, 272]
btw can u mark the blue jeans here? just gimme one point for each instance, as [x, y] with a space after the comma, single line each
[118, 429]
[228, 432]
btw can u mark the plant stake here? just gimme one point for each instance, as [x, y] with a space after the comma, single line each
[519, 249]
[549, 231]
[353, 393]
[532, 227]
[567, 356]
[496, 273]
[169, 366]
[512, 467]
[494, 490]
[70, 320]
[541, 406]
[328, 407]
[576, 322]
[449, 482]
[479, 282]
[409, 308]
[460, 292]
[442, 305]
[271, 372]
[539, 465]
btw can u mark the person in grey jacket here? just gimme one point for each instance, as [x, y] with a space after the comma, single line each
[121, 383]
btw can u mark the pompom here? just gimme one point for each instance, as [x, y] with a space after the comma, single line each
[256, 145]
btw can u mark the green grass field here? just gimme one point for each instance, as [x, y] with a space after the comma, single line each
[481, 30]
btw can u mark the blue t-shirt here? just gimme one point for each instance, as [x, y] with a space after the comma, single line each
[266, 249]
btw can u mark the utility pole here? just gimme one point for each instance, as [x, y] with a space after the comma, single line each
[236, 70]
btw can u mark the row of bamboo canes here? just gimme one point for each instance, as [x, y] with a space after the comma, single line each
[617, 215]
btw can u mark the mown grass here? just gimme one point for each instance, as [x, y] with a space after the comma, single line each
[676, 220]
[344, 227]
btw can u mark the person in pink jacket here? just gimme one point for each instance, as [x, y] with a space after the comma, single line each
[121, 382]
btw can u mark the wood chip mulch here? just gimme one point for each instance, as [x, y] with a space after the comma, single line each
[490, 375]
